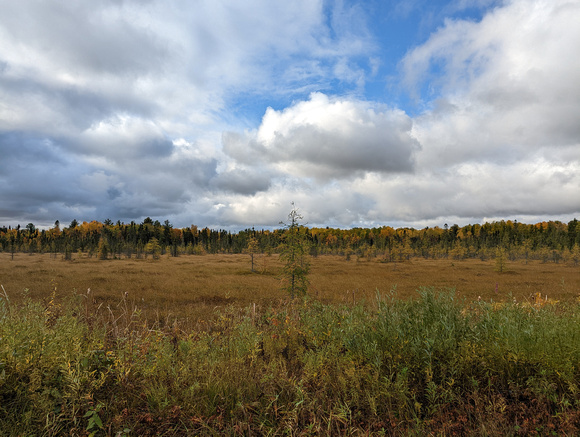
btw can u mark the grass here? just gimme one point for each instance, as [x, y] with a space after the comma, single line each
[199, 345]
[191, 287]
[433, 365]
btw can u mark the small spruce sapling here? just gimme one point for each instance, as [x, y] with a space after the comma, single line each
[295, 256]
[154, 248]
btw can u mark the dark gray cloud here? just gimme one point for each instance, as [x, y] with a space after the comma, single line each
[242, 181]
[41, 181]
[37, 178]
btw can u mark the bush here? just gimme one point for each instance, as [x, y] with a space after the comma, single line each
[429, 365]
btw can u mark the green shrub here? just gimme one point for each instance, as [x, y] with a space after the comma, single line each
[429, 365]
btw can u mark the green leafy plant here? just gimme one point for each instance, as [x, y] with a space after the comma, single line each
[432, 365]
[95, 424]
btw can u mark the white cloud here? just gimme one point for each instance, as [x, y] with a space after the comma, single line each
[124, 110]
[475, 190]
[325, 138]
[509, 85]
[177, 62]
[123, 138]
[330, 205]
[135, 93]
[500, 138]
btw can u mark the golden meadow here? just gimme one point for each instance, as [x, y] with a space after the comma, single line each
[190, 287]
[201, 345]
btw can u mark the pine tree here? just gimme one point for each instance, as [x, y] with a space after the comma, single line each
[295, 256]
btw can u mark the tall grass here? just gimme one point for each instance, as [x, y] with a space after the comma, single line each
[433, 364]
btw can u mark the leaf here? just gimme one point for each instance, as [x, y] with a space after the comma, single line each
[98, 420]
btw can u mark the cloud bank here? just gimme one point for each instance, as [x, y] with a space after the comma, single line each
[221, 114]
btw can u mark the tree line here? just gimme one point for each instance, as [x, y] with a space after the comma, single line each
[548, 241]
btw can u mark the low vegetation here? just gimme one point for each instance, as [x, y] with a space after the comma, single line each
[442, 339]
[433, 364]
[190, 287]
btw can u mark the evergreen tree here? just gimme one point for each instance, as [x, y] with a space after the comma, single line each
[295, 256]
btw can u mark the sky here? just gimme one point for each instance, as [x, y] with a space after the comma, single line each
[222, 113]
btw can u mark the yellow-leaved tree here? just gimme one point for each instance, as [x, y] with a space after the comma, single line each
[253, 248]
[154, 248]
[500, 259]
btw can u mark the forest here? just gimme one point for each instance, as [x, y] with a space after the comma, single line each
[547, 241]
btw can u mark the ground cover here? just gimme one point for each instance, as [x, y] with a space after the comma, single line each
[189, 286]
[200, 345]
[428, 366]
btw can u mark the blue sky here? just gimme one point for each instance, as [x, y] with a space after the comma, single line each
[221, 113]
[390, 29]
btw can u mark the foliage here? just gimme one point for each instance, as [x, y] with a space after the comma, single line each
[153, 248]
[103, 249]
[294, 255]
[253, 249]
[500, 260]
[432, 365]
[552, 241]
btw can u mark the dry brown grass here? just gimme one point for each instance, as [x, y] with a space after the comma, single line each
[470, 278]
[191, 287]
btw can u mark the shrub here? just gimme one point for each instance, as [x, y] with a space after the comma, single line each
[429, 365]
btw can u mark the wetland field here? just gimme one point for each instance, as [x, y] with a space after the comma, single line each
[203, 345]
[190, 286]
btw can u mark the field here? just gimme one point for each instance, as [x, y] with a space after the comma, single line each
[201, 345]
[189, 287]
